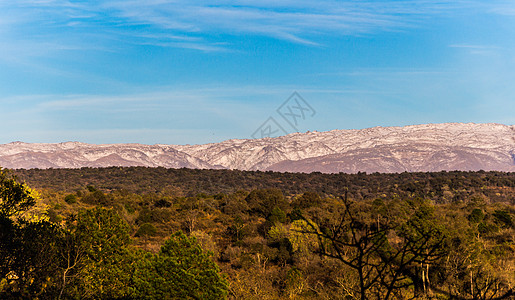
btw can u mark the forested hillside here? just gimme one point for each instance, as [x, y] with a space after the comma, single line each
[259, 235]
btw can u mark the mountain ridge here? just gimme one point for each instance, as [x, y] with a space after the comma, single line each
[425, 147]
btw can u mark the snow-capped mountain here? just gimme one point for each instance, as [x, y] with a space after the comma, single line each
[430, 147]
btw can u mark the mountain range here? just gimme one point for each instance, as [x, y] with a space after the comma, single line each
[427, 147]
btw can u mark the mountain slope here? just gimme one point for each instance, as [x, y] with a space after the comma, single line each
[75, 155]
[392, 159]
[429, 147]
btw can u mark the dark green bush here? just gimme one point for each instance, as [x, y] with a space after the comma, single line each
[70, 199]
[146, 230]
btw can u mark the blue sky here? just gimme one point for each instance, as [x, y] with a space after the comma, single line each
[187, 72]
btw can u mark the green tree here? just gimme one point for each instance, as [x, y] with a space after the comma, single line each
[181, 270]
[107, 267]
[15, 197]
[28, 251]
[265, 201]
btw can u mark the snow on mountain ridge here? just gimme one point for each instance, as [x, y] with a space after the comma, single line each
[484, 136]
[388, 149]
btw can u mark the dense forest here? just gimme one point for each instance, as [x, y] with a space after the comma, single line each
[441, 187]
[156, 233]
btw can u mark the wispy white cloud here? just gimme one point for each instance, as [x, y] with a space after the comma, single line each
[293, 21]
[31, 29]
[141, 116]
[503, 7]
[470, 46]
[180, 101]
[485, 50]
[200, 22]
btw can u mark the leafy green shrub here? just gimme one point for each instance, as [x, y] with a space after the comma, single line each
[308, 199]
[181, 270]
[162, 203]
[95, 198]
[503, 218]
[153, 216]
[70, 199]
[264, 201]
[129, 207]
[476, 215]
[277, 216]
[146, 230]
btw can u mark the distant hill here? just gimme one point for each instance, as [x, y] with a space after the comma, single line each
[416, 148]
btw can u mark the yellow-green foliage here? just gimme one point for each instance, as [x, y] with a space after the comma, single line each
[303, 236]
[273, 244]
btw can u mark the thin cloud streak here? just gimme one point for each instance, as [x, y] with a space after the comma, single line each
[468, 46]
[172, 109]
[297, 22]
